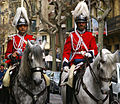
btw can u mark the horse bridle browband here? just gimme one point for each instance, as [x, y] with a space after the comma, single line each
[102, 78]
[38, 69]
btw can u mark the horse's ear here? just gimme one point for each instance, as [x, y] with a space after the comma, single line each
[29, 44]
[43, 44]
[116, 56]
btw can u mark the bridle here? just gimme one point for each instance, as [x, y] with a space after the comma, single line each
[98, 101]
[105, 79]
[38, 69]
[34, 96]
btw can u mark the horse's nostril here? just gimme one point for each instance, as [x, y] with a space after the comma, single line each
[37, 82]
[105, 91]
[40, 81]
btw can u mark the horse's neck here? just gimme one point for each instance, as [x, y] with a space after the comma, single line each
[89, 79]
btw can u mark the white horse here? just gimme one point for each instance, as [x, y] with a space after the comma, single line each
[30, 84]
[94, 85]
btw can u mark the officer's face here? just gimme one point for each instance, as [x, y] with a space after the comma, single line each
[81, 25]
[23, 29]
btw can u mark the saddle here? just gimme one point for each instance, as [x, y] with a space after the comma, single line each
[68, 77]
[10, 75]
[73, 87]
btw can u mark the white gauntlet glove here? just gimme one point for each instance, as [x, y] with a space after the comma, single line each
[66, 68]
[88, 55]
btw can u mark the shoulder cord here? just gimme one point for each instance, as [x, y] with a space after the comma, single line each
[80, 41]
[20, 45]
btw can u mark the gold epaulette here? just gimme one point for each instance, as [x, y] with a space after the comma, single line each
[34, 37]
[93, 34]
[10, 37]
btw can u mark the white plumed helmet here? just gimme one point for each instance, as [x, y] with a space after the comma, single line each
[81, 11]
[21, 16]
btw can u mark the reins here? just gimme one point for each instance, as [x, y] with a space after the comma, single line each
[33, 96]
[99, 101]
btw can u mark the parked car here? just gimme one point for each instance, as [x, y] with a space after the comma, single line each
[54, 81]
[54, 84]
[115, 86]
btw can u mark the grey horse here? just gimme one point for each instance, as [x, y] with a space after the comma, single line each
[30, 84]
[94, 85]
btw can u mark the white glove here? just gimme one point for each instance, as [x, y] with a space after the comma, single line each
[66, 68]
[83, 52]
[88, 55]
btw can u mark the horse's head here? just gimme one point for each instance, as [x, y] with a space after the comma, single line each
[36, 61]
[106, 67]
[32, 63]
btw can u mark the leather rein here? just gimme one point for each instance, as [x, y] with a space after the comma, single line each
[98, 101]
[33, 96]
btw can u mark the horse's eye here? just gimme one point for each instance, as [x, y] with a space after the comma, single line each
[31, 59]
[101, 70]
[102, 61]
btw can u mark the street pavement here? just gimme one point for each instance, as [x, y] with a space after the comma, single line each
[55, 99]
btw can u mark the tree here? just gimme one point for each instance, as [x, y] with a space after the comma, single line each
[64, 8]
[102, 10]
[61, 8]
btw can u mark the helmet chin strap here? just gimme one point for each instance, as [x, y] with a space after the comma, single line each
[77, 29]
[22, 33]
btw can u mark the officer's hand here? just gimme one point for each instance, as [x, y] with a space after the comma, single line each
[15, 54]
[66, 68]
[88, 55]
[83, 52]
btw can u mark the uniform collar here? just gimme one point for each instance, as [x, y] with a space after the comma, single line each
[81, 32]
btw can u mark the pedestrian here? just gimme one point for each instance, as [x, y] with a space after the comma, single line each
[2, 73]
[80, 43]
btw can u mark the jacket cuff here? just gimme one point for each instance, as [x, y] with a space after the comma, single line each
[9, 56]
[65, 60]
[91, 52]
[65, 64]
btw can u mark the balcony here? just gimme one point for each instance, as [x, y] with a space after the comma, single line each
[2, 2]
[113, 24]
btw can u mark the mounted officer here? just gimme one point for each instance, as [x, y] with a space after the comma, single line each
[78, 45]
[17, 42]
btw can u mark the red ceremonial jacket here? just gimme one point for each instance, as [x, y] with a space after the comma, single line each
[17, 42]
[72, 42]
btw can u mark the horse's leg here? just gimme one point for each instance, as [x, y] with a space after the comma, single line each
[6, 95]
[69, 94]
[48, 94]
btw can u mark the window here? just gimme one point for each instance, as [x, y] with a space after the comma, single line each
[44, 37]
[118, 72]
[33, 26]
[109, 47]
[116, 46]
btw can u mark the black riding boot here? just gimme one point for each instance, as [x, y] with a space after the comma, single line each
[69, 94]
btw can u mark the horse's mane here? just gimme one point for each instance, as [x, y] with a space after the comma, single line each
[25, 62]
[107, 56]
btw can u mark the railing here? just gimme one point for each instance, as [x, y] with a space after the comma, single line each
[113, 24]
